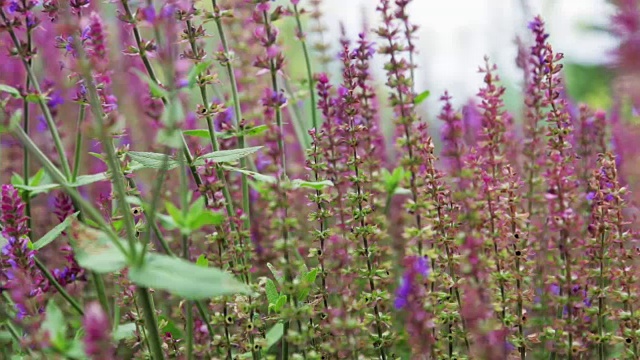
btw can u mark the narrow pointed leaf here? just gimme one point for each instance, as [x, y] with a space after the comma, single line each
[53, 234]
[152, 160]
[227, 155]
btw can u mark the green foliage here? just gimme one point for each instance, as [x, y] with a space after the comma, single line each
[185, 279]
[420, 98]
[54, 233]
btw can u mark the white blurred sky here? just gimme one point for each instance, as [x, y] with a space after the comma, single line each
[456, 34]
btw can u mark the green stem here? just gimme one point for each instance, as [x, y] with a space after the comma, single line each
[142, 329]
[14, 333]
[150, 323]
[65, 295]
[301, 135]
[601, 302]
[189, 324]
[77, 152]
[101, 291]
[25, 165]
[314, 115]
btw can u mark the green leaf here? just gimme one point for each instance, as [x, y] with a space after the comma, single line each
[173, 114]
[134, 200]
[202, 261]
[3, 241]
[37, 189]
[277, 274]
[392, 180]
[204, 133]
[94, 250]
[35, 98]
[54, 233]
[124, 331]
[274, 335]
[152, 160]
[5, 337]
[227, 155]
[256, 130]
[169, 137]
[272, 292]
[107, 260]
[309, 278]
[37, 178]
[204, 219]
[421, 97]
[54, 324]
[167, 221]
[16, 179]
[175, 214]
[256, 176]
[402, 191]
[15, 93]
[316, 185]
[157, 91]
[170, 327]
[201, 133]
[15, 121]
[80, 181]
[282, 300]
[75, 349]
[195, 210]
[198, 69]
[184, 278]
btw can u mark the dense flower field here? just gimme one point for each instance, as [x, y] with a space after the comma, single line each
[171, 190]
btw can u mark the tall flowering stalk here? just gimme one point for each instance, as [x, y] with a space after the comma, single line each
[533, 65]
[361, 220]
[492, 162]
[436, 195]
[402, 101]
[488, 334]
[561, 193]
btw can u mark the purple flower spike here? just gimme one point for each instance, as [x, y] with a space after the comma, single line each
[97, 340]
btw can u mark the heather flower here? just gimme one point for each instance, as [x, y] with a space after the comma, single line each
[97, 338]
